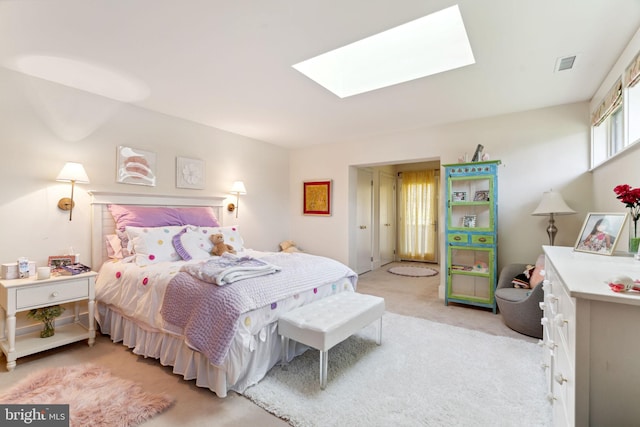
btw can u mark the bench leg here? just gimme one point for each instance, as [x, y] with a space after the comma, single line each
[324, 362]
[379, 338]
[284, 352]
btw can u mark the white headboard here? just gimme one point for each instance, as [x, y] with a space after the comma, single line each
[102, 223]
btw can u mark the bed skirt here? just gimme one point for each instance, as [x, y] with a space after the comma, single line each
[241, 369]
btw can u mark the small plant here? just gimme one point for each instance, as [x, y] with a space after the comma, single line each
[47, 316]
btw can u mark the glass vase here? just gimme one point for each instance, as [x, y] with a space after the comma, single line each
[634, 240]
[49, 328]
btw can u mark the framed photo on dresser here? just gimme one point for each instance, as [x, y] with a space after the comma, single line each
[600, 233]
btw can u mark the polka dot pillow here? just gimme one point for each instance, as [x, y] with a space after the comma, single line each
[153, 244]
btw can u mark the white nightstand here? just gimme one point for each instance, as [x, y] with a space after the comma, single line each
[24, 294]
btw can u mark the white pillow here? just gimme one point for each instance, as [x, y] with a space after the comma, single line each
[192, 243]
[231, 235]
[153, 244]
[195, 242]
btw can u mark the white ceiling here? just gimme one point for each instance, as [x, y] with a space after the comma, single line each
[227, 64]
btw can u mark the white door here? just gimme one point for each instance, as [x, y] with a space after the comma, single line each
[364, 221]
[387, 225]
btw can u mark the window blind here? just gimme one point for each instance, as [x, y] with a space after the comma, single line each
[632, 73]
[612, 100]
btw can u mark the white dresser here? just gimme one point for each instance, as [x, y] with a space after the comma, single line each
[592, 339]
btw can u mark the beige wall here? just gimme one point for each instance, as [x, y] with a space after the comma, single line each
[540, 150]
[43, 125]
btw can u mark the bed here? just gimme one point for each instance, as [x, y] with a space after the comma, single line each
[212, 319]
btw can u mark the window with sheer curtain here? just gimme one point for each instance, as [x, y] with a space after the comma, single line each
[418, 215]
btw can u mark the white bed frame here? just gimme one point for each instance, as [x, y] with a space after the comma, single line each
[102, 223]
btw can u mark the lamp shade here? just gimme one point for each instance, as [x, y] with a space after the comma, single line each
[552, 203]
[73, 172]
[238, 188]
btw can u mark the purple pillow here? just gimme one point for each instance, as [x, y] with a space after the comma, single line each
[202, 216]
[152, 216]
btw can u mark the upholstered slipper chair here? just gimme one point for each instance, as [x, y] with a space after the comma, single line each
[520, 307]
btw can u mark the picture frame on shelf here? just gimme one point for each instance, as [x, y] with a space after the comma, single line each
[600, 232]
[190, 173]
[469, 221]
[317, 197]
[481, 196]
[459, 196]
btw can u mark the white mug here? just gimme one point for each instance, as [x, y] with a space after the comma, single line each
[44, 273]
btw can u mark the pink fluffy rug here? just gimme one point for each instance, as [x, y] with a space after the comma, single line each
[95, 397]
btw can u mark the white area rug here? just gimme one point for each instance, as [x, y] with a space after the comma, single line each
[423, 374]
[413, 271]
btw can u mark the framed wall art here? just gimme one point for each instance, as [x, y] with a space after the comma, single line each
[600, 233]
[190, 173]
[135, 166]
[317, 197]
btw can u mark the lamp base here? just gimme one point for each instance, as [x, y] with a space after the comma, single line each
[66, 204]
[552, 229]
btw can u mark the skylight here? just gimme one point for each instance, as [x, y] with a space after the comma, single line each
[429, 45]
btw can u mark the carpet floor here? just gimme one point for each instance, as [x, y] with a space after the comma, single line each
[424, 373]
[95, 397]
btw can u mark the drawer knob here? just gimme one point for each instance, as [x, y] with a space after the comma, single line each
[482, 239]
[559, 378]
[551, 298]
[457, 238]
[544, 321]
[550, 397]
[542, 305]
[559, 320]
[55, 294]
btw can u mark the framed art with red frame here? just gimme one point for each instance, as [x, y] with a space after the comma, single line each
[317, 197]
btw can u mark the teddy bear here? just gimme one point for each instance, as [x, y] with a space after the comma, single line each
[289, 246]
[219, 246]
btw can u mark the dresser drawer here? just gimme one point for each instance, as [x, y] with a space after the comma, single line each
[51, 293]
[480, 239]
[458, 238]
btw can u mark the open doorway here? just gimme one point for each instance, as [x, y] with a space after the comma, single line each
[379, 234]
[418, 215]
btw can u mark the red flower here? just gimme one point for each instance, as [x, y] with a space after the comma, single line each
[631, 198]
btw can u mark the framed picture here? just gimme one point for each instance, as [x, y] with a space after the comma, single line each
[469, 221]
[600, 233]
[481, 196]
[136, 166]
[56, 262]
[459, 196]
[317, 197]
[190, 173]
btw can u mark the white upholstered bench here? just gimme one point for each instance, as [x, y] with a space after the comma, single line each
[329, 321]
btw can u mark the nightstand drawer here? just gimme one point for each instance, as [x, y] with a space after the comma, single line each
[51, 293]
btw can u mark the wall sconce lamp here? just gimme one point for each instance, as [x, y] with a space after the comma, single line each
[552, 204]
[237, 188]
[73, 173]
